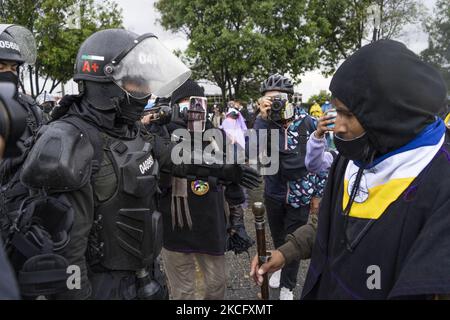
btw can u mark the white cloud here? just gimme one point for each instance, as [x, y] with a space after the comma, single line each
[140, 16]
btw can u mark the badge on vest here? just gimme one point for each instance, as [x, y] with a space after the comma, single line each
[199, 187]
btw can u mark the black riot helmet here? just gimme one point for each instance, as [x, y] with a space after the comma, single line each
[277, 82]
[116, 62]
[17, 44]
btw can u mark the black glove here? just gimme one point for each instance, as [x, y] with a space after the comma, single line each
[234, 194]
[241, 174]
[238, 240]
[64, 105]
[234, 173]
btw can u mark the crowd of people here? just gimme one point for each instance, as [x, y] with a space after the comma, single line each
[95, 186]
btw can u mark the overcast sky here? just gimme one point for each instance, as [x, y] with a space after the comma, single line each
[140, 16]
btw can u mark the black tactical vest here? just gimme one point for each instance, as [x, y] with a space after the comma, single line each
[127, 231]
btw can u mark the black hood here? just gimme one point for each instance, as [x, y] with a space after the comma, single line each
[392, 93]
[106, 121]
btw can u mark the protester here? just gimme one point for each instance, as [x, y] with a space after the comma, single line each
[384, 215]
[288, 193]
[217, 117]
[235, 128]
[193, 234]
[316, 111]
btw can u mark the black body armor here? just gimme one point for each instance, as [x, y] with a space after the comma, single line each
[127, 232]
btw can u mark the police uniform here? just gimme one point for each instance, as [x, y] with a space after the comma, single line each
[106, 166]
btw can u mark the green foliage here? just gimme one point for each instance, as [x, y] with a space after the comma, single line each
[320, 98]
[438, 51]
[343, 26]
[237, 44]
[57, 37]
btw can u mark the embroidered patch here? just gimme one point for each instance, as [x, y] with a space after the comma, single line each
[199, 187]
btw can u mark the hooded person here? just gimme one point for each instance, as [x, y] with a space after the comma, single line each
[384, 215]
[192, 233]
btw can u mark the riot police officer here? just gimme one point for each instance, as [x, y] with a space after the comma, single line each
[17, 46]
[101, 170]
[12, 126]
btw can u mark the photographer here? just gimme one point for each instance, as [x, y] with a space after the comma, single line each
[287, 193]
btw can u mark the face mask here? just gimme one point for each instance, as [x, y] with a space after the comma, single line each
[9, 77]
[356, 149]
[131, 109]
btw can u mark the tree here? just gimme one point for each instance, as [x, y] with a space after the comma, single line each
[343, 26]
[51, 22]
[438, 51]
[320, 98]
[236, 44]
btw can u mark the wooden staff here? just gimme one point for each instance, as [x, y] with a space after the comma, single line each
[258, 211]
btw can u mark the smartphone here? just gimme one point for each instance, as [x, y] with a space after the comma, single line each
[331, 112]
[196, 114]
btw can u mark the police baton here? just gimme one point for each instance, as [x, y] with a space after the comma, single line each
[258, 211]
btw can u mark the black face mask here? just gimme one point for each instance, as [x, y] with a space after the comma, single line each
[357, 149]
[9, 77]
[131, 109]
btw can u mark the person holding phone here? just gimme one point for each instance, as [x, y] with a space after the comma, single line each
[199, 215]
[318, 158]
[383, 223]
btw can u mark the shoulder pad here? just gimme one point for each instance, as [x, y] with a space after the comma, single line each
[26, 99]
[60, 160]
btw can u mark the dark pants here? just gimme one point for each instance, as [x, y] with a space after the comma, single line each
[284, 219]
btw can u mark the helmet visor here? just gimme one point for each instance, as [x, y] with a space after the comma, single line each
[24, 39]
[150, 68]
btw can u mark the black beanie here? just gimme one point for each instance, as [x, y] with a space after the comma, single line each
[392, 93]
[188, 89]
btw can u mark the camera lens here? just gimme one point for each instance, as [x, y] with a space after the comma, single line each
[277, 105]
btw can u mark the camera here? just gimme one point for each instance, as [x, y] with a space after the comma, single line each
[281, 109]
[12, 119]
[162, 112]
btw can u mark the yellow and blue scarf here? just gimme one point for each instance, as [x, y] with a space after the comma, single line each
[390, 175]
